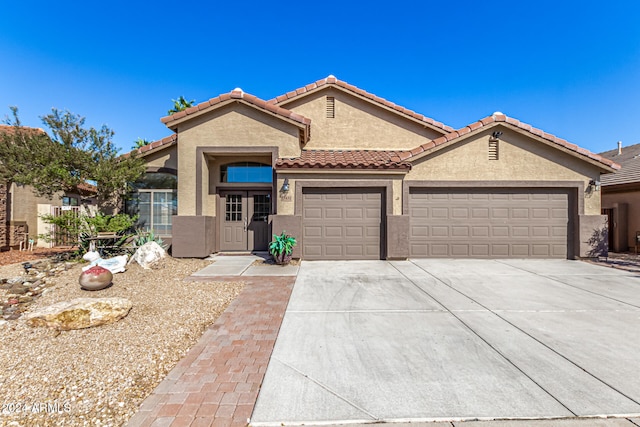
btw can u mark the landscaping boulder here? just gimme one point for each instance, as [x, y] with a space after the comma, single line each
[148, 254]
[81, 313]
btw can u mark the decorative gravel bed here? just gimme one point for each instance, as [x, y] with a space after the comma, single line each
[99, 376]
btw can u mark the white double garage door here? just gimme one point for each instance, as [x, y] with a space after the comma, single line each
[348, 223]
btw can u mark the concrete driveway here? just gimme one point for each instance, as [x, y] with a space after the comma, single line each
[427, 340]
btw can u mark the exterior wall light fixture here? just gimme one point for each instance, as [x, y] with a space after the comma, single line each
[285, 186]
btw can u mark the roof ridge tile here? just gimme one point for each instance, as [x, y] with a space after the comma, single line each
[240, 95]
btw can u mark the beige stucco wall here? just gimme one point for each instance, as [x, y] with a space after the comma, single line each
[521, 158]
[236, 125]
[166, 158]
[24, 205]
[632, 199]
[358, 124]
[286, 201]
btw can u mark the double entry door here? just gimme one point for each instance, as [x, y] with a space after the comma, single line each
[244, 223]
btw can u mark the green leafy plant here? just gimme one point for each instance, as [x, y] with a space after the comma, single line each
[282, 246]
[143, 237]
[80, 228]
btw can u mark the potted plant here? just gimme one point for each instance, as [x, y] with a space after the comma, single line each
[281, 247]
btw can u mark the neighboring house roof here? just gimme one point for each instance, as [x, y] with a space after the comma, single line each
[346, 87]
[344, 159]
[10, 129]
[629, 161]
[499, 118]
[235, 96]
[87, 188]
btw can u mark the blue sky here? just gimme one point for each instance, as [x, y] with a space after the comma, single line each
[571, 68]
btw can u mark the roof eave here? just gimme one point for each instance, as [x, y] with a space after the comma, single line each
[476, 128]
[173, 123]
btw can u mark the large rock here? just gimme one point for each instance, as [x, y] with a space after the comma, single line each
[81, 313]
[148, 254]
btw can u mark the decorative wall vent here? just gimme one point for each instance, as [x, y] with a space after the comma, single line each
[494, 148]
[331, 107]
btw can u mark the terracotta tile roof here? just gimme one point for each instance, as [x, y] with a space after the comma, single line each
[331, 80]
[239, 95]
[153, 146]
[629, 161]
[9, 129]
[88, 188]
[344, 159]
[168, 140]
[501, 118]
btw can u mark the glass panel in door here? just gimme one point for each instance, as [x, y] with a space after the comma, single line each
[234, 222]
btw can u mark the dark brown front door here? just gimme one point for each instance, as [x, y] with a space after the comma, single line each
[244, 216]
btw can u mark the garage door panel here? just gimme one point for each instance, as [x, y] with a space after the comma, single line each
[459, 250]
[540, 231]
[354, 232]
[419, 231]
[332, 231]
[500, 213]
[498, 223]
[419, 249]
[459, 213]
[311, 231]
[541, 250]
[520, 231]
[519, 250]
[440, 231]
[559, 213]
[440, 213]
[519, 213]
[480, 231]
[342, 223]
[541, 213]
[500, 250]
[500, 231]
[331, 250]
[354, 213]
[459, 231]
[480, 250]
[312, 213]
[480, 213]
[439, 250]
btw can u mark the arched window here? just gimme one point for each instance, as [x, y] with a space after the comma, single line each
[155, 200]
[246, 172]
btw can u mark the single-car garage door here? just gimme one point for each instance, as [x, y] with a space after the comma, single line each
[341, 223]
[489, 223]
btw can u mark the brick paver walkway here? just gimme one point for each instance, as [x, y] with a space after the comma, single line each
[217, 382]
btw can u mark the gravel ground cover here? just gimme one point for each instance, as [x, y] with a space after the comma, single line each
[99, 376]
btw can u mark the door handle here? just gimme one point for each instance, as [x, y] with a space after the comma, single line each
[245, 223]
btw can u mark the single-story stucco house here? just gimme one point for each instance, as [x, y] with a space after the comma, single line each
[21, 209]
[621, 198]
[354, 176]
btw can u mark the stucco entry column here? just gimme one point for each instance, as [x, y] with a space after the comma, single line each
[594, 236]
[193, 236]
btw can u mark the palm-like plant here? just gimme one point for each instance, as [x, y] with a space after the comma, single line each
[140, 142]
[180, 104]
